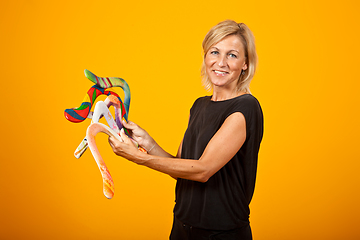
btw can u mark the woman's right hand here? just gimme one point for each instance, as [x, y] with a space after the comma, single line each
[139, 135]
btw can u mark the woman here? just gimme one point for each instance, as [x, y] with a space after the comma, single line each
[216, 163]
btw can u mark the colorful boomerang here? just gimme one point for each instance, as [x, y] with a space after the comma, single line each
[81, 113]
[93, 129]
[101, 109]
[112, 82]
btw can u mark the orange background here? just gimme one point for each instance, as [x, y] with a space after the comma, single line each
[307, 82]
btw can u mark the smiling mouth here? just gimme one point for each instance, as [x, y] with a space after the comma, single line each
[220, 73]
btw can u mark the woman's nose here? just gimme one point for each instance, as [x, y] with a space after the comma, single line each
[222, 61]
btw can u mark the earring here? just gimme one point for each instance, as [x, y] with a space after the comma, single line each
[243, 72]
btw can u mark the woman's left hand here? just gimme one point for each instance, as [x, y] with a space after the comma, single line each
[126, 149]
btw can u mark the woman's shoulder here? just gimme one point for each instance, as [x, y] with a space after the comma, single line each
[202, 100]
[199, 103]
[247, 104]
[248, 98]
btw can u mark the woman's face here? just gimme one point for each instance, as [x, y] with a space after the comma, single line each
[224, 62]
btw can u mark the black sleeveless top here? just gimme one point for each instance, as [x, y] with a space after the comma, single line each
[222, 203]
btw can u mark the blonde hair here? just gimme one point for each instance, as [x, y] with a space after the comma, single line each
[218, 33]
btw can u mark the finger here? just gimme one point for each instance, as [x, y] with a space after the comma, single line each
[110, 140]
[123, 136]
[114, 140]
[129, 125]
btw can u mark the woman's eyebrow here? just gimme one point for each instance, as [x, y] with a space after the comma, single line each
[232, 50]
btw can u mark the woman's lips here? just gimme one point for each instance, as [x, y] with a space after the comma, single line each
[220, 73]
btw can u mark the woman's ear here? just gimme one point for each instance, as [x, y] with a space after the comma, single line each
[244, 67]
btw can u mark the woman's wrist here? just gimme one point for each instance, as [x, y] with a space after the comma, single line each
[151, 148]
[150, 145]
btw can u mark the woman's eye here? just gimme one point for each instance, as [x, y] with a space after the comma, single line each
[232, 55]
[214, 52]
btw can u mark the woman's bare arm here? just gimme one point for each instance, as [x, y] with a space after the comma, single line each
[221, 148]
